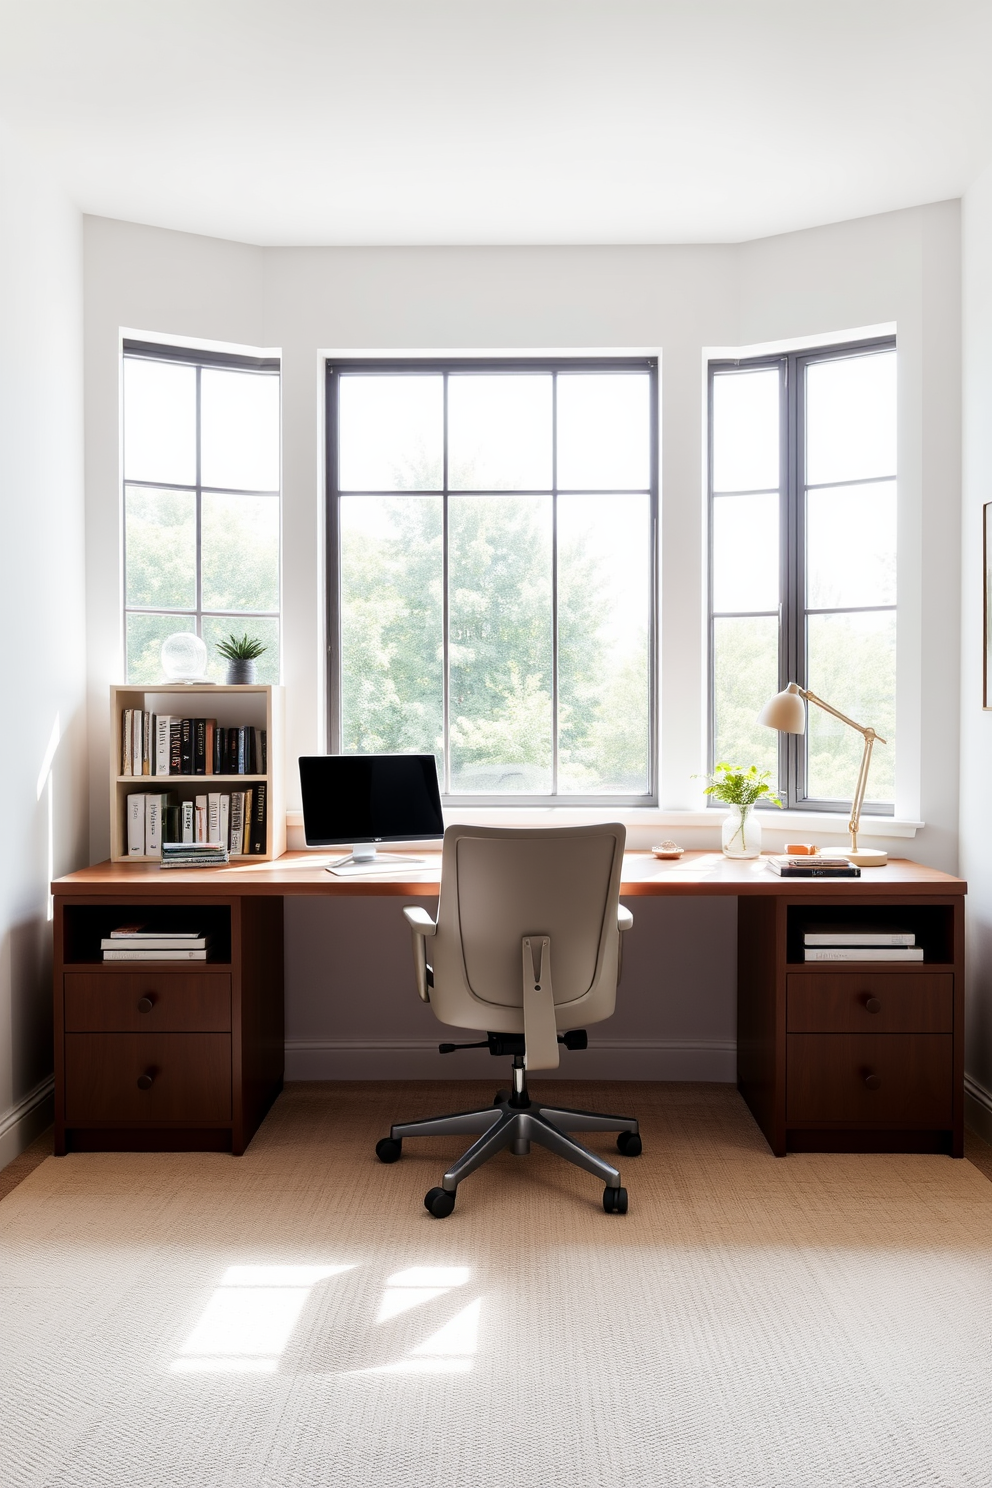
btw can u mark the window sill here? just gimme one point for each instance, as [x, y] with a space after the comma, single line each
[803, 824]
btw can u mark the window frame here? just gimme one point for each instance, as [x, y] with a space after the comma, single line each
[792, 367]
[133, 350]
[400, 366]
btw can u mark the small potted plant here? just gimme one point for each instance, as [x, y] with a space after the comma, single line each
[740, 789]
[241, 656]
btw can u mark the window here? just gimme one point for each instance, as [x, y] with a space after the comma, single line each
[802, 477]
[492, 561]
[201, 503]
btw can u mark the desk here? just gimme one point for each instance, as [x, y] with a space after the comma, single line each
[209, 1036]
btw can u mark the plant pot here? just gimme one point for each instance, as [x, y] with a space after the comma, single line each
[241, 672]
[741, 834]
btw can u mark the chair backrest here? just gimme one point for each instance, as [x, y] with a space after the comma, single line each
[502, 884]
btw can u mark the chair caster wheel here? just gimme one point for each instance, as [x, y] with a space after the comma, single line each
[629, 1144]
[389, 1149]
[615, 1200]
[439, 1202]
[500, 1097]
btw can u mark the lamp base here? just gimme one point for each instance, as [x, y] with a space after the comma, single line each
[866, 857]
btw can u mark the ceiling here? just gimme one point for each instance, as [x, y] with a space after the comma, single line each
[500, 121]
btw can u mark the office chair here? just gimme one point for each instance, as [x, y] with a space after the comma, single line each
[527, 948]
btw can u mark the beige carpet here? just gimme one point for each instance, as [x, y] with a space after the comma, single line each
[294, 1317]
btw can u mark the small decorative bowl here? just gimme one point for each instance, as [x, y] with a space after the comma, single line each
[668, 850]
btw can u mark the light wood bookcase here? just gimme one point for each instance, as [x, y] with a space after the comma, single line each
[254, 705]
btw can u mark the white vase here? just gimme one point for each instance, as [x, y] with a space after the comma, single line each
[741, 835]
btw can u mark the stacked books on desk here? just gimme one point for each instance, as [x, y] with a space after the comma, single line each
[193, 854]
[138, 943]
[853, 943]
[813, 867]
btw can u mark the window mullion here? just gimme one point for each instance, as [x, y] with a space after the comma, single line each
[554, 584]
[199, 513]
[445, 599]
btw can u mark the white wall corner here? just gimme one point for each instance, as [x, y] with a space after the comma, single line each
[26, 1120]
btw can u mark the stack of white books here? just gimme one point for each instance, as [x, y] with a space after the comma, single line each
[854, 943]
[193, 854]
[138, 943]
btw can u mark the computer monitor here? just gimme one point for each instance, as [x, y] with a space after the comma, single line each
[361, 799]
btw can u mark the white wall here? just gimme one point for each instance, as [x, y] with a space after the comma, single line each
[976, 724]
[43, 743]
[899, 269]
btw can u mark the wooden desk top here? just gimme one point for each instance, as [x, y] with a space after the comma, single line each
[695, 874]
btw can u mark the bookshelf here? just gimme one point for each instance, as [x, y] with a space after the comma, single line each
[253, 705]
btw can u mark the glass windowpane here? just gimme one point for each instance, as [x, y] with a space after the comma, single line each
[604, 604]
[851, 418]
[391, 621]
[604, 431]
[145, 634]
[746, 430]
[390, 433]
[500, 644]
[264, 628]
[499, 432]
[852, 665]
[239, 430]
[746, 552]
[745, 676]
[851, 546]
[159, 422]
[240, 552]
[160, 528]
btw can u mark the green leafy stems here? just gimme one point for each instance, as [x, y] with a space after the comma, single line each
[248, 648]
[736, 786]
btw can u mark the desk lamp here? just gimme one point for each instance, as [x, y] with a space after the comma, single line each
[786, 713]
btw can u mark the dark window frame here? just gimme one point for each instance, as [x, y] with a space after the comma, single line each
[400, 366]
[132, 350]
[792, 560]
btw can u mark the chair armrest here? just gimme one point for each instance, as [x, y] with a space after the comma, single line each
[624, 918]
[419, 920]
[422, 926]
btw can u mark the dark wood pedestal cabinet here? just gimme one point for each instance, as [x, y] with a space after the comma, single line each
[159, 1056]
[849, 1056]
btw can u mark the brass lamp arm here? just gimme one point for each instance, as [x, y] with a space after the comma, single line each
[869, 735]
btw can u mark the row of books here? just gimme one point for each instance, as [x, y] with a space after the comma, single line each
[855, 943]
[162, 744]
[237, 822]
[140, 943]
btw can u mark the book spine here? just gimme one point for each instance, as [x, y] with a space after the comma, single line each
[146, 743]
[863, 953]
[154, 955]
[909, 939]
[175, 746]
[263, 752]
[213, 817]
[232, 751]
[246, 833]
[818, 872]
[258, 821]
[241, 752]
[127, 726]
[153, 824]
[225, 821]
[209, 746]
[237, 819]
[135, 741]
[187, 821]
[186, 746]
[218, 750]
[171, 824]
[199, 746]
[200, 834]
[136, 826]
[162, 725]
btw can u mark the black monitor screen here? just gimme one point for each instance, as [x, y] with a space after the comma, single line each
[351, 798]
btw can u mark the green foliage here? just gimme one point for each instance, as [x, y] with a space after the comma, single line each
[735, 786]
[247, 648]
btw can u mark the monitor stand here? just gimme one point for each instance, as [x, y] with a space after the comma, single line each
[364, 859]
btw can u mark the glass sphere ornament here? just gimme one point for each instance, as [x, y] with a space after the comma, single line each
[184, 657]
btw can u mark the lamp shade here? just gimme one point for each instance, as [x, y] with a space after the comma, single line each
[786, 711]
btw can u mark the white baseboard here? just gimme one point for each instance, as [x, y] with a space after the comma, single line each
[978, 1108]
[28, 1119]
[713, 1060]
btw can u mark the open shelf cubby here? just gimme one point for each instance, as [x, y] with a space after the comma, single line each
[932, 924]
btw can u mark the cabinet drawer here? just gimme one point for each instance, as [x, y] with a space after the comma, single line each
[826, 1078]
[190, 1077]
[148, 1002]
[872, 1002]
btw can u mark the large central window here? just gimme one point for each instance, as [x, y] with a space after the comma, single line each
[492, 572]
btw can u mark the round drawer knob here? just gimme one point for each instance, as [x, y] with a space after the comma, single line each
[873, 1004]
[146, 1003]
[146, 1080]
[873, 1082]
